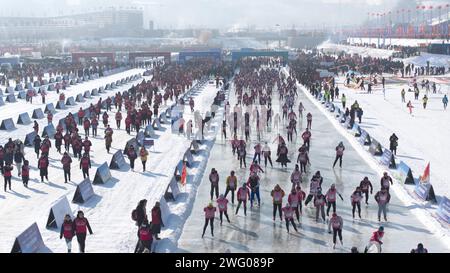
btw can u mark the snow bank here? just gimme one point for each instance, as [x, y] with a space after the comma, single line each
[335, 49]
[398, 42]
[434, 59]
[182, 208]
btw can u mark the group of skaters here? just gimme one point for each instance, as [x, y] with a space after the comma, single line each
[257, 84]
[193, 70]
[427, 85]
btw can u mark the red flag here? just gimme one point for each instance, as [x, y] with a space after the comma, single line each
[425, 178]
[183, 175]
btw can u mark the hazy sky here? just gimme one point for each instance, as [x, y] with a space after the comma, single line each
[215, 13]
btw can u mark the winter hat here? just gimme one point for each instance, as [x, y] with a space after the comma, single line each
[381, 228]
[334, 214]
[221, 196]
[157, 204]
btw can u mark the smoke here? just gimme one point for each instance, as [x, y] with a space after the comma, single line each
[222, 14]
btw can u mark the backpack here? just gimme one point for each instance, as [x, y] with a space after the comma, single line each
[134, 215]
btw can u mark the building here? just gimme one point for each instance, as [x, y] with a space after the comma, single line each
[111, 22]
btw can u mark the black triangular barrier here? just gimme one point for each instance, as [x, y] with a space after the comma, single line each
[172, 190]
[61, 105]
[58, 210]
[156, 124]
[80, 98]
[87, 94]
[37, 113]
[62, 122]
[140, 138]
[29, 241]
[50, 108]
[49, 131]
[194, 147]
[29, 139]
[102, 175]
[149, 131]
[24, 119]
[375, 148]
[409, 180]
[19, 87]
[83, 192]
[11, 98]
[70, 101]
[356, 130]
[7, 124]
[117, 161]
[36, 84]
[22, 95]
[188, 158]
[94, 92]
[51, 87]
[431, 196]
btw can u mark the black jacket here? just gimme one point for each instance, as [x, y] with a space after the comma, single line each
[18, 157]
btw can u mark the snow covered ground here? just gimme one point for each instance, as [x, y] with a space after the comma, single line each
[434, 59]
[398, 42]
[258, 233]
[13, 110]
[109, 210]
[335, 49]
[423, 136]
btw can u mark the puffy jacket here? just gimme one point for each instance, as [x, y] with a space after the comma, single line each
[66, 161]
[67, 230]
[277, 196]
[81, 225]
[25, 170]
